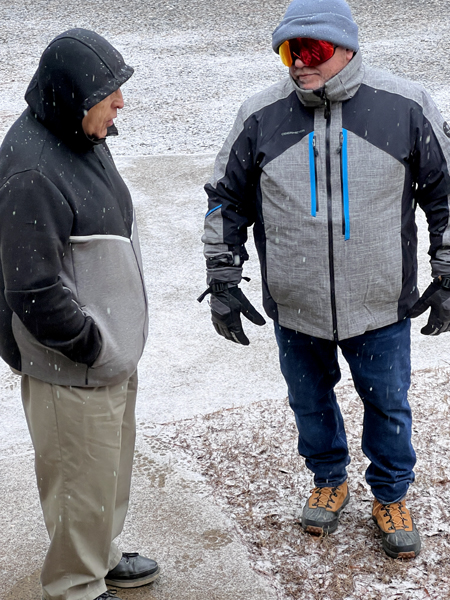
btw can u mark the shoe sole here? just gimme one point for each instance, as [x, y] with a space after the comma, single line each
[317, 530]
[411, 554]
[320, 530]
[133, 583]
[407, 554]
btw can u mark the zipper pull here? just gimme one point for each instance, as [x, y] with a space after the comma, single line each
[314, 143]
[341, 142]
[327, 112]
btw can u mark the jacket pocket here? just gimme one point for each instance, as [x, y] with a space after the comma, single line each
[45, 363]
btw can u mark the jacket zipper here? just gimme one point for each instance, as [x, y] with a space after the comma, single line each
[313, 153]
[344, 184]
[327, 116]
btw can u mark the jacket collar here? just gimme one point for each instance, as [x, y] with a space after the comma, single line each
[342, 86]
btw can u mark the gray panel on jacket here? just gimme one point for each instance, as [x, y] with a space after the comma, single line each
[297, 243]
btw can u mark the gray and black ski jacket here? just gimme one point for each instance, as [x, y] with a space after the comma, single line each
[73, 308]
[330, 181]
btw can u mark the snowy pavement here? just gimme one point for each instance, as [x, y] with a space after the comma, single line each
[195, 62]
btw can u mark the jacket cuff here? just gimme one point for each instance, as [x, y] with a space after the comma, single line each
[226, 274]
[440, 264]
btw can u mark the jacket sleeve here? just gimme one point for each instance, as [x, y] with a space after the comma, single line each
[231, 203]
[35, 226]
[433, 183]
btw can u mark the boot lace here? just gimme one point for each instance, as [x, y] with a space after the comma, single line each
[324, 496]
[396, 515]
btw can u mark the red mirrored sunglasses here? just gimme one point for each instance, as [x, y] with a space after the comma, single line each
[310, 52]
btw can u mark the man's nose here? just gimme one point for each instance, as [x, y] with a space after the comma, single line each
[118, 99]
[298, 63]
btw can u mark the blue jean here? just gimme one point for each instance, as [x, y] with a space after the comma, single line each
[380, 365]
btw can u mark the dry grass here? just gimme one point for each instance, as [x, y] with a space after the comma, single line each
[248, 456]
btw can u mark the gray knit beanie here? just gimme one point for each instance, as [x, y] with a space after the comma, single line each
[329, 20]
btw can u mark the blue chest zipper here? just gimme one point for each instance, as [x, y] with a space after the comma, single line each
[313, 173]
[344, 186]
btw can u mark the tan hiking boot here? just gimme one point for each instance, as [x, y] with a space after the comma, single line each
[321, 512]
[400, 538]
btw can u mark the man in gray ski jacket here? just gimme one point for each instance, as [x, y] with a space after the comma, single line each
[73, 311]
[328, 166]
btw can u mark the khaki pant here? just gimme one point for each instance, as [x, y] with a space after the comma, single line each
[84, 443]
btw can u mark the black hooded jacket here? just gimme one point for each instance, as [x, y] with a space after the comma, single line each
[66, 227]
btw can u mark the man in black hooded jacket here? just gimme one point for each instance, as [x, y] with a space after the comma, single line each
[73, 311]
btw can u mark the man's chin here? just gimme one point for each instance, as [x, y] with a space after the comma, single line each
[100, 135]
[309, 82]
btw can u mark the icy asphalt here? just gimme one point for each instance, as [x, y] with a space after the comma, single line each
[195, 62]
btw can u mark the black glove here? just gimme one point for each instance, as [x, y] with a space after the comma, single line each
[227, 304]
[436, 296]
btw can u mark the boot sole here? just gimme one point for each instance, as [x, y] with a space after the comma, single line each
[133, 583]
[325, 530]
[411, 554]
[405, 554]
[320, 530]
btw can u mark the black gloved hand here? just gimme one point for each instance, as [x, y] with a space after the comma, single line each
[227, 304]
[436, 296]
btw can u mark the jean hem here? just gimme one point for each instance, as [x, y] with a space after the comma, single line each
[331, 483]
[389, 501]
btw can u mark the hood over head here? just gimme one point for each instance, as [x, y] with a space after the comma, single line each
[77, 70]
